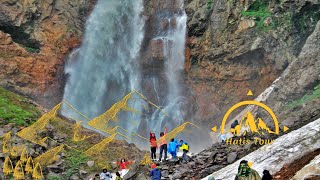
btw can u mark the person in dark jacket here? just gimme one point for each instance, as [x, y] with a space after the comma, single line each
[266, 175]
[234, 124]
[155, 172]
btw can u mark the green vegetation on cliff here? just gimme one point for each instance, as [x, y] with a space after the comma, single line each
[16, 109]
[260, 12]
[306, 98]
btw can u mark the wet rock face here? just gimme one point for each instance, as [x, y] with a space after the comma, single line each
[35, 38]
[228, 54]
[300, 79]
[162, 54]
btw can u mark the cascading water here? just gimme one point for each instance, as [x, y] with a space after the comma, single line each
[107, 65]
[105, 70]
[171, 31]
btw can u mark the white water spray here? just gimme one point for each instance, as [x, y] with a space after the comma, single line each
[105, 70]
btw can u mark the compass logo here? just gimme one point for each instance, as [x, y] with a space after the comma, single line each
[250, 124]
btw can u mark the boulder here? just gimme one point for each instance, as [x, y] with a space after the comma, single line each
[5, 39]
[143, 177]
[246, 24]
[74, 177]
[165, 173]
[8, 127]
[232, 157]
[55, 169]
[83, 172]
[90, 163]
[310, 170]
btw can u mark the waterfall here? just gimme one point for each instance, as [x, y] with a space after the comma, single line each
[103, 69]
[109, 64]
[171, 31]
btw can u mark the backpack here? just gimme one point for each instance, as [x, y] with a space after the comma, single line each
[184, 146]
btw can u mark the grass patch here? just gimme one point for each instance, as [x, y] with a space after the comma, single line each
[306, 98]
[55, 178]
[74, 161]
[260, 12]
[16, 109]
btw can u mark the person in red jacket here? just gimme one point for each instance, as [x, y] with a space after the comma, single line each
[123, 165]
[153, 145]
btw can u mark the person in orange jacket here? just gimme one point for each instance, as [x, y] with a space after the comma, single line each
[163, 145]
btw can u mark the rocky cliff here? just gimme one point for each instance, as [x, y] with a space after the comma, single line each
[234, 46]
[36, 37]
[295, 99]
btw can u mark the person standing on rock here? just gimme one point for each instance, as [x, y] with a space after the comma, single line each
[172, 149]
[155, 172]
[163, 145]
[246, 173]
[185, 149]
[153, 145]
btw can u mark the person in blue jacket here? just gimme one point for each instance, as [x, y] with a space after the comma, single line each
[172, 149]
[155, 172]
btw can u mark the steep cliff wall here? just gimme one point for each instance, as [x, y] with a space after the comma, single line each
[234, 46]
[35, 38]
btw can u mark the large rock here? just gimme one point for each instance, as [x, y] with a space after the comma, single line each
[41, 34]
[157, 49]
[232, 157]
[284, 150]
[55, 169]
[310, 170]
[90, 163]
[74, 177]
[298, 80]
[5, 39]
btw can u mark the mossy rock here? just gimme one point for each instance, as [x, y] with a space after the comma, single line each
[16, 109]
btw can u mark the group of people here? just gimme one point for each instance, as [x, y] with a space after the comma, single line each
[106, 175]
[172, 148]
